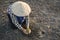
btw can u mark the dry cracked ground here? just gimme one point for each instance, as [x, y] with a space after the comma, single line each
[44, 21]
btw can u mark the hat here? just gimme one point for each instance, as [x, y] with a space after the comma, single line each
[20, 8]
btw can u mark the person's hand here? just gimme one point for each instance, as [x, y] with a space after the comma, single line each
[26, 31]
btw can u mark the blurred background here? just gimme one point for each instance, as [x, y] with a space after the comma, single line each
[44, 21]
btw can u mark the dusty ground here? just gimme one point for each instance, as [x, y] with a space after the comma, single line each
[44, 21]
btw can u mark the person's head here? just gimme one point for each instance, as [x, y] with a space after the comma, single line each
[20, 8]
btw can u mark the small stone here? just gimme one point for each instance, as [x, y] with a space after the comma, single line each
[48, 26]
[41, 34]
[4, 12]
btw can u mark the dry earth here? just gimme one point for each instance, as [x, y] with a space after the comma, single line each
[44, 21]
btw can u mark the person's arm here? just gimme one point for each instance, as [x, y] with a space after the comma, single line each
[27, 21]
[15, 22]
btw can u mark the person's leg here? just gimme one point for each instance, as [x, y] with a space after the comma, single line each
[12, 25]
[24, 24]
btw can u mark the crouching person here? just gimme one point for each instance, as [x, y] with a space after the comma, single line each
[19, 15]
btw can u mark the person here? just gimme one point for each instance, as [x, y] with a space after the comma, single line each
[19, 14]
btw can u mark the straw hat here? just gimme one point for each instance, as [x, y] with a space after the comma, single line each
[20, 8]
